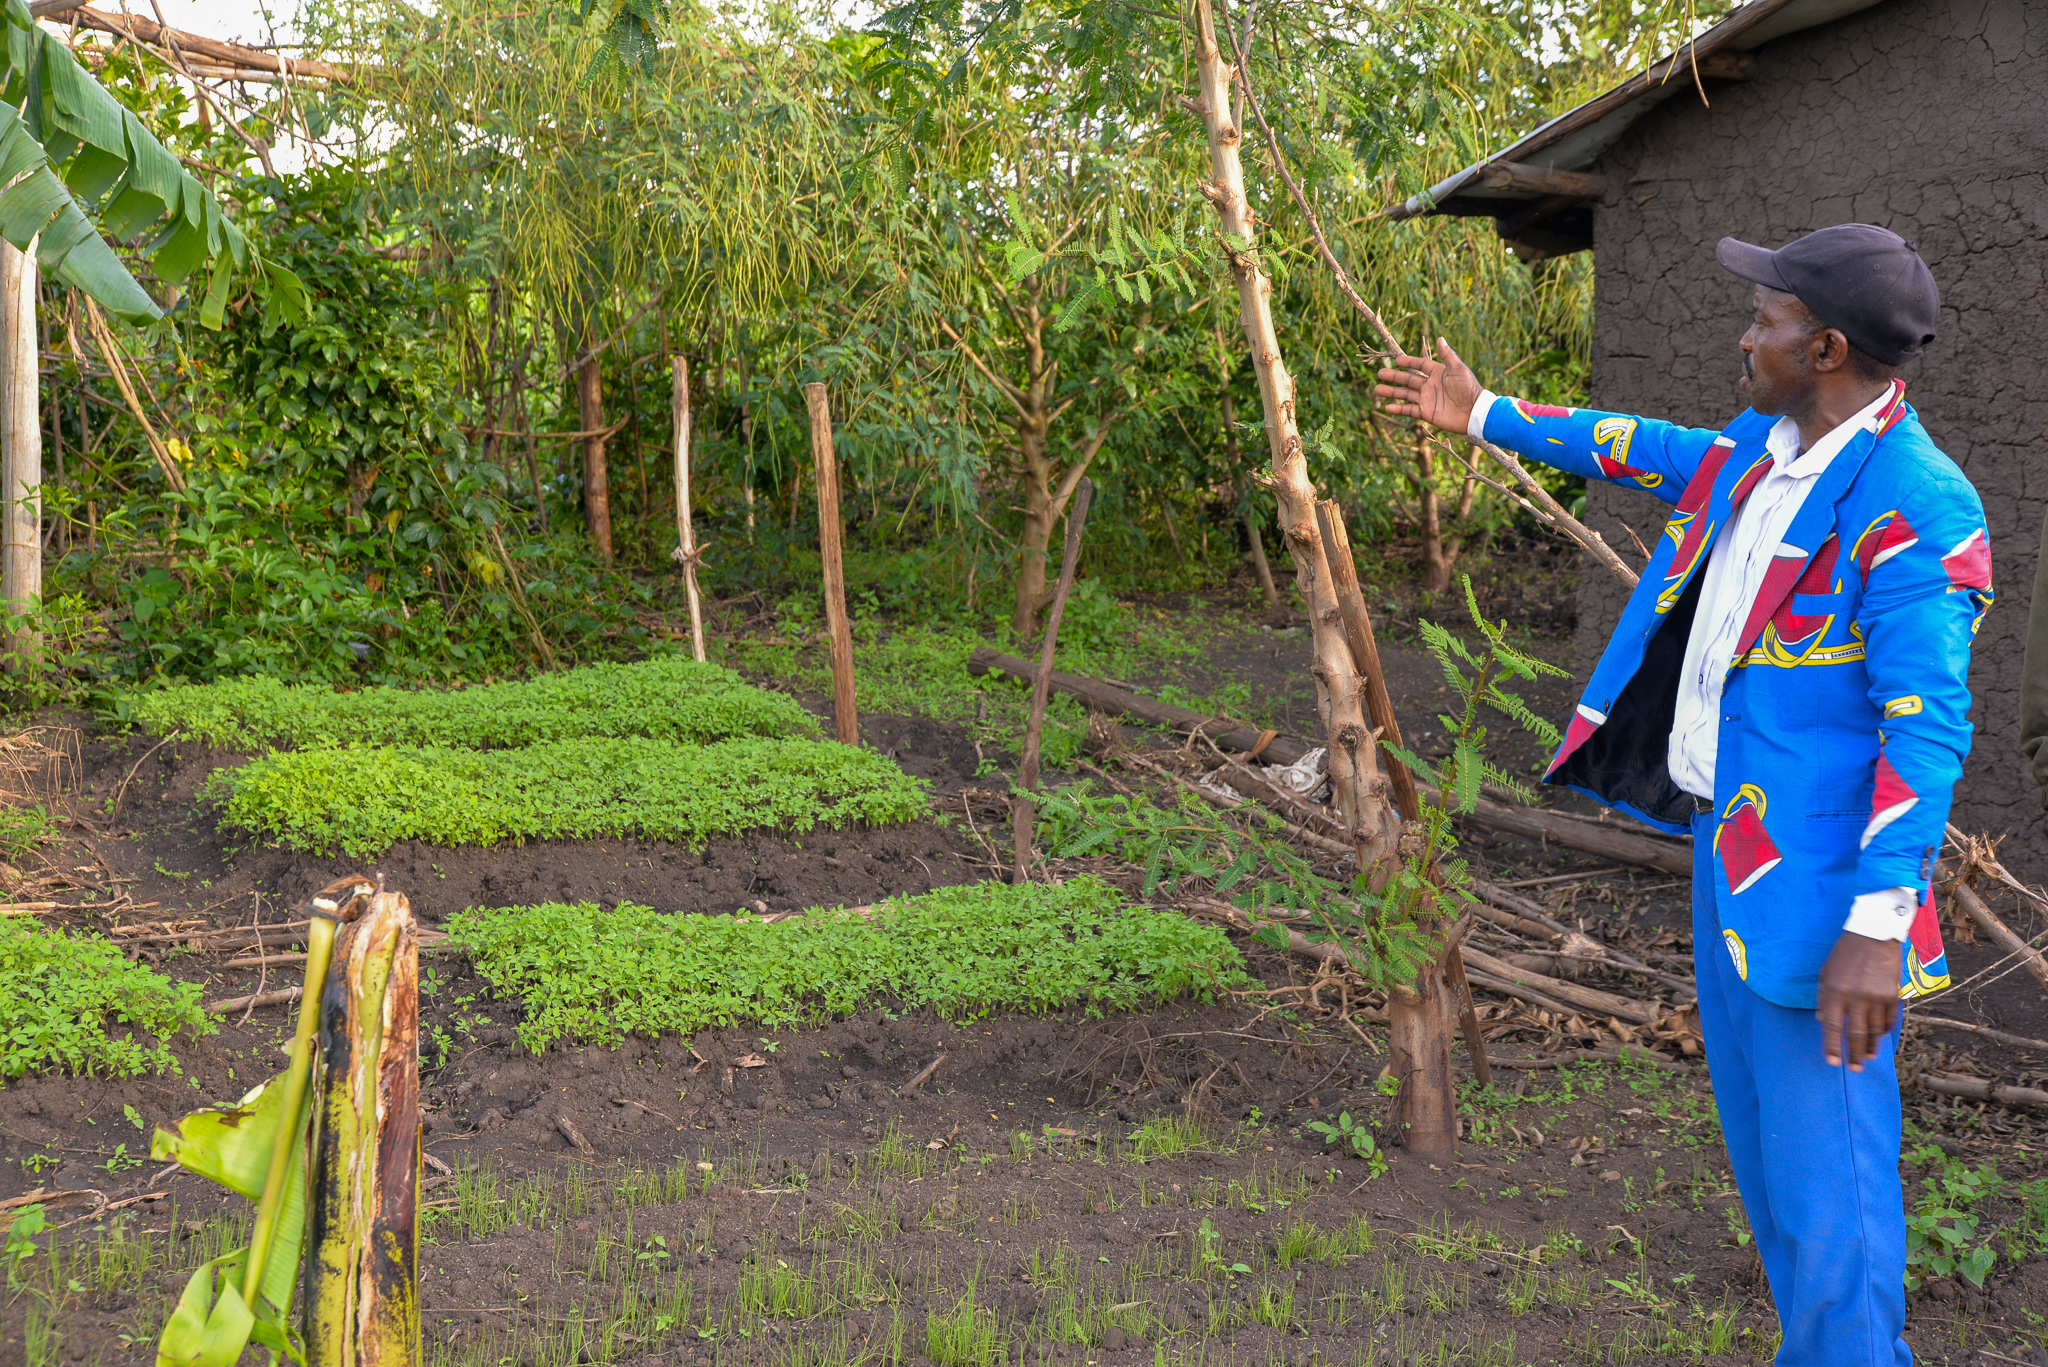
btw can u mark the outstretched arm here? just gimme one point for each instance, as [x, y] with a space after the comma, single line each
[1619, 448]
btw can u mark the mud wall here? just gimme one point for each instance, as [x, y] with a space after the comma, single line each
[1929, 117]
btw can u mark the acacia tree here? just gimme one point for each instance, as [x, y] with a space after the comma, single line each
[1040, 252]
[577, 172]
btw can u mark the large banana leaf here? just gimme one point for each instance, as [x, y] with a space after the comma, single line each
[76, 148]
[232, 1146]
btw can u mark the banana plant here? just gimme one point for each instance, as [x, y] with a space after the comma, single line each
[71, 153]
[329, 1151]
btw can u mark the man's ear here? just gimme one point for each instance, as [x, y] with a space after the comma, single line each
[1830, 350]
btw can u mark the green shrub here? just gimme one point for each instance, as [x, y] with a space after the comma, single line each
[666, 699]
[584, 973]
[361, 799]
[62, 994]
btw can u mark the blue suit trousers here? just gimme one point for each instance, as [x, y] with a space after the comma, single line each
[1815, 1151]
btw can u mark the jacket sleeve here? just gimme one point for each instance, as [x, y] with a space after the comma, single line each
[1926, 572]
[1640, 453]
[2034, 674]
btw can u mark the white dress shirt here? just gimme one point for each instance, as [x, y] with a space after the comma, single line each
[1734, 575]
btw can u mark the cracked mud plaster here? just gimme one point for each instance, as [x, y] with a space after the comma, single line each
[1928, 117]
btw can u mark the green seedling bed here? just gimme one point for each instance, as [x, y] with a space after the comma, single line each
[584, 973]
[360, 800]
[668, 699]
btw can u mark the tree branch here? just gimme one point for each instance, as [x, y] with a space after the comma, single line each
[1005, 387]
[1589, 540]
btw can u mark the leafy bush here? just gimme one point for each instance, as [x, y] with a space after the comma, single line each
[669, 699]
[360, 800]
[584, 973]
[59, 993]
[24, 828]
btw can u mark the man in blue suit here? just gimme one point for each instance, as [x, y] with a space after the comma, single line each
[1789, 682]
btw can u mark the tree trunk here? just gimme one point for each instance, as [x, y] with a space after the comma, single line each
[1039, 515]
[839, 633]
[1420, 1035]
[1436, 561]
[686, 527]
[1370, 820]
[21, 450]
[1419, 1017]
[1235, 453]
[597, 499]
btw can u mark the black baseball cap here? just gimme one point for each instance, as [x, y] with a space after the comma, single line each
[1861, 279]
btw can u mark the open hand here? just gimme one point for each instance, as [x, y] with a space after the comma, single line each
[1859, 997]
[1441, 393]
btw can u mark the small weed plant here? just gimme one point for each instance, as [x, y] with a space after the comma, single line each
[1352, 1139]
[664, 699]
[585, 973]
[1167, 1136]
[74, 1003]
[24, 828]
[359, 801]
[1966, 1216]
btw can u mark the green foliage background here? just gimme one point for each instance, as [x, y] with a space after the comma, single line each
[384, 491]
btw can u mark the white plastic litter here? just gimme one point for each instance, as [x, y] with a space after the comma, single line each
[1308, 776]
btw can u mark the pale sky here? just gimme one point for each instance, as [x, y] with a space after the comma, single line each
[228, 20]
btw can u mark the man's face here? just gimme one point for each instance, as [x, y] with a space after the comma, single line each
[1777, 353]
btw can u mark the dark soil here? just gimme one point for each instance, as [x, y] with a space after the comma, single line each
[1588, 1218]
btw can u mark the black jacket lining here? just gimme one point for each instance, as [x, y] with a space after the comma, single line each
[1627, 761]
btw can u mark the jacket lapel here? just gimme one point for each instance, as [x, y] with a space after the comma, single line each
[1726, 475]
[1813, 524]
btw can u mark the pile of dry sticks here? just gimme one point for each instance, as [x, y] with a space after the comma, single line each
[1511, 947]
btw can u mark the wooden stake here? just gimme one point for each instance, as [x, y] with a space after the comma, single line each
[1468, 1014]
[841, 634]
[1022, 809]
[686, 532]
[21, 449]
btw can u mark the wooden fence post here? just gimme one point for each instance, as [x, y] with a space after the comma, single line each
[686, 545]
[835, 569]
[21, 449]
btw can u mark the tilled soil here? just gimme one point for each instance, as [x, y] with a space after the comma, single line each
[813, 1209]
[1131, 1190]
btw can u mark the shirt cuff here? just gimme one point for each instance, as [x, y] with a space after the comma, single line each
[1885, 915]
[1475, 426]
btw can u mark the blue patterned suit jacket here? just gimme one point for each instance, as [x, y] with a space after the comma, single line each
[1844, 711]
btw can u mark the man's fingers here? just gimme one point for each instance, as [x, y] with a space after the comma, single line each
[1443, 349]
[1858, 1032]
[1831, 1027]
